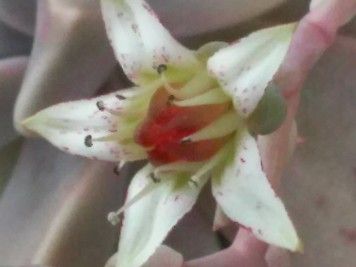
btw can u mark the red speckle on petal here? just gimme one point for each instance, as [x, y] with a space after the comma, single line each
[242, 160]
[235, 42]
[349, 235]
[145, 6]
[165, 58]
[176, 198]
[320, 202]
[222, 74]
[248, 229]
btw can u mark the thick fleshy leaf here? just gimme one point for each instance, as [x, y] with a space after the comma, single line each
[19, 14]
[148, 221]
[139, 40]
[164, 256]
[53, 209]
[195, 17]
[244, 193]
[245, 68]
[13, 43]
[331, 14]
[11, 73]
[68, 125]
[315, 3]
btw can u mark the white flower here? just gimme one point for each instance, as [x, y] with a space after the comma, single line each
[190, 115]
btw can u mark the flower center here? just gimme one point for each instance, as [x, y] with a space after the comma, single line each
[181, 126]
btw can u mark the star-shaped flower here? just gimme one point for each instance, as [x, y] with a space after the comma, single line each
[193, 115]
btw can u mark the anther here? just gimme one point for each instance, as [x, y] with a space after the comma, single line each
[154, 178]
[170, 100]
[120, 97]
[88, 141]
[116, 170]
[114, 218]
[100, 105]
[185, 141]
[161, 68]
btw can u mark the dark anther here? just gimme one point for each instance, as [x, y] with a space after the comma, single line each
[154, 178]
[185, 141]
[170, 100]
[116, 170]
[88, 141]
[161, 68]
[100, 105]
[120, 97]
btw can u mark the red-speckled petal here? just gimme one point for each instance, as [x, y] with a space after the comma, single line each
[245, 68]
[245, 195]
[66, 126]
[148, 221]
[139, 40]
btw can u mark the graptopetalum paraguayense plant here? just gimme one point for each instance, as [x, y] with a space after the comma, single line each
[193, 115]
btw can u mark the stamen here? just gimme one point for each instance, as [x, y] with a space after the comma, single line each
[100, 105]
[121, 134]
[185, 140]
[168, 87]
[223, 126]
[120, 97]
[117, 170]
[177, 166]
[213, 96]
[199, 84]
[88, 141]
[161, 68]
[154, 178]
[114, 217]
[215, 160]
[170, 100]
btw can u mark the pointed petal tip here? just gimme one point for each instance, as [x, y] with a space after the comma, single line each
[300, 247]
[245, 68]
[147, 222]
[294, 243]
[81, 128]
[140, 42]
[246, 196]
[29, 127]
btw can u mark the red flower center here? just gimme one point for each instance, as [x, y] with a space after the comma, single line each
[165, 125]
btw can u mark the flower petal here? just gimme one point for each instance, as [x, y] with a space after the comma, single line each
[245, 68]
[148, 221]
[246, 196]
[139, 40]
[67, 125]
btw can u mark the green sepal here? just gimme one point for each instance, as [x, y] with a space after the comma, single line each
[270, 112]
